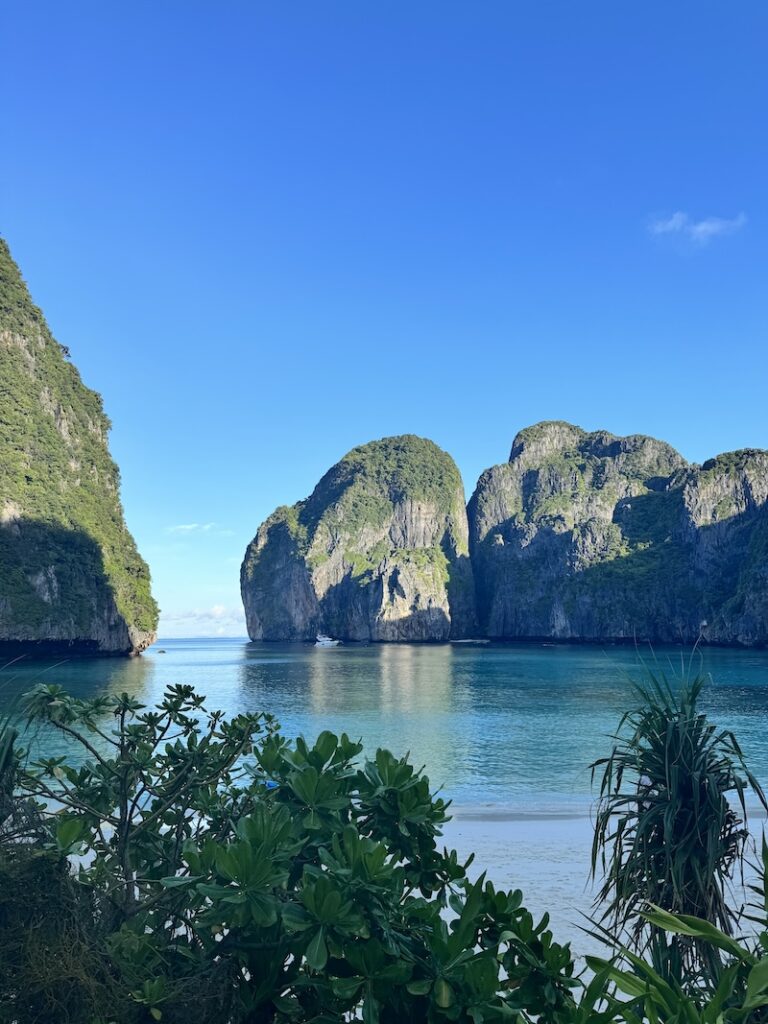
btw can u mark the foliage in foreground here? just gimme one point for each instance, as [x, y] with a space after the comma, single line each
[735, 992]
[226, 874]
[666, 834]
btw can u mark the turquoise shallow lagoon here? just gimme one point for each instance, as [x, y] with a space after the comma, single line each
[504, 730]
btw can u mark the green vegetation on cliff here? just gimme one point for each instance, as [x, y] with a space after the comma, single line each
[361, 488]
[592, 536]
[62, 532]
[407, 467]
[378, 551]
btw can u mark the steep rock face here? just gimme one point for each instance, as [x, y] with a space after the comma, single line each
[592, 536]
[726, 524]
[71, 578]
[379, 551]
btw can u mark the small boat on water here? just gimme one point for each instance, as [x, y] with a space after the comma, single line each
[321, 640]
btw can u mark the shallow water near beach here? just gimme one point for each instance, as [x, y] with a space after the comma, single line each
[506, 731]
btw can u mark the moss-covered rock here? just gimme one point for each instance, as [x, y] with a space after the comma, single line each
[379, 551]
[594, 537]
[70, 575]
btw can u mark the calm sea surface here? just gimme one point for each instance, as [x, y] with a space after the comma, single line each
[506, 729]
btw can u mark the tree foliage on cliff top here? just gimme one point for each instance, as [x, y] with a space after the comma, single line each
[558, 474]
[601, 524]
[55, 465]
[361, 489]
[393, 469]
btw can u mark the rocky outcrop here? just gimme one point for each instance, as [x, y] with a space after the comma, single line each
[725, 523]
[71, 578]
[592, 537]
[379, 551]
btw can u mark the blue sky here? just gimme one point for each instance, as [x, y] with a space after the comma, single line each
[271, 231]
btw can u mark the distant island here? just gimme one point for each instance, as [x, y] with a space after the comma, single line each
[578, 537]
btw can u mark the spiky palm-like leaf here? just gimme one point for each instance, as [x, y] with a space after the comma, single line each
[666, 832]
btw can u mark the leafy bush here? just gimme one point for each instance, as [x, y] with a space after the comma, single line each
[222, 873]
[226, 874]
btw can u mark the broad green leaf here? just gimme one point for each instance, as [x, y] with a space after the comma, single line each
[325, 745]
[346, 988]
[263, 909]
[370, 1009]
[444, 996]
[68, 832]
[757, 981]
[681, 924]
[178, 881]
[295, 919]
[317, 951]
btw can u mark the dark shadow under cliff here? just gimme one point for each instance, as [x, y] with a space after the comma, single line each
[351, 610]
[55, 596]
[676, 583]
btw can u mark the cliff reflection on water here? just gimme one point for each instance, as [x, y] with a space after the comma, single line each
[503, 728]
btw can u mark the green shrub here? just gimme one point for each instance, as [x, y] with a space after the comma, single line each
[226, 874]
[233, 876]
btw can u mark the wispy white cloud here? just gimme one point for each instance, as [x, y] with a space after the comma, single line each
[699, 231]
[711, 227]
[218, 620]
[191, 528]
[677, 222]
[186, 529]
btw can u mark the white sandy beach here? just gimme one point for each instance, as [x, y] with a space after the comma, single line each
[546, 857]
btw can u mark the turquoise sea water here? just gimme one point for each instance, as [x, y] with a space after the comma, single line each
[503, 729]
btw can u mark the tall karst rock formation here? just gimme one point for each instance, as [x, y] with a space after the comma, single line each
[377, 552]
[71, 578]
[588, 536]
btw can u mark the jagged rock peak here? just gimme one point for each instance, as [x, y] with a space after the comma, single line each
[546, 437]
[379, 551]
[550, 437]
[559, 471]
[589, 536]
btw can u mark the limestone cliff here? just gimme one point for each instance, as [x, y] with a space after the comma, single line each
[377, 552]
[591, 536]
[71, 578]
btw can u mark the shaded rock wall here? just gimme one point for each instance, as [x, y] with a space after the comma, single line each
[71, 578]
[592, 537]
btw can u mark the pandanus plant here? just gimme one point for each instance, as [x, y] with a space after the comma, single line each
[671, 824]
[7, 766]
